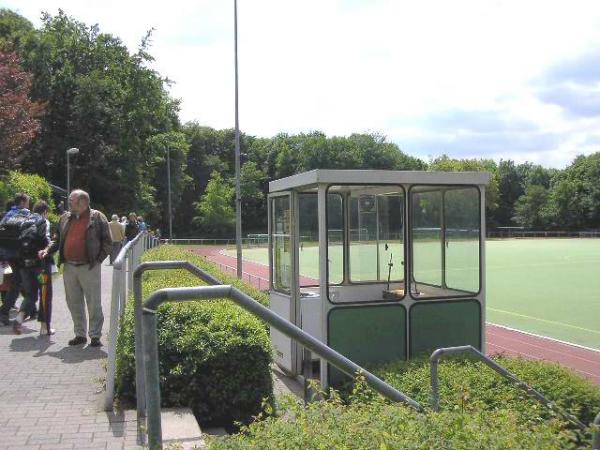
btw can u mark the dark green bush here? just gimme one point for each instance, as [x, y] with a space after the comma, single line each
[479, 409]
[214, 357]
[383, 426]
[470, 385]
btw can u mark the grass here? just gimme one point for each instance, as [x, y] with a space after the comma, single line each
[549, 287]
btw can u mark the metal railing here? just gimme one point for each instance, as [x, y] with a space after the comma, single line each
[140, 391]
[122, 285]
[435, 394]
[148, 340]
[596, 439]
[258, 282]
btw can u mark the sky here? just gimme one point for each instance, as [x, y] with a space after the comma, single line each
[498, 79]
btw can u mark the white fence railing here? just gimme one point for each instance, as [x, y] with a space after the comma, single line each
[122, 285]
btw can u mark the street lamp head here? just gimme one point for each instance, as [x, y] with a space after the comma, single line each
[72, 151]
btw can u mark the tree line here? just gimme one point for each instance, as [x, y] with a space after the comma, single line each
[67, 84]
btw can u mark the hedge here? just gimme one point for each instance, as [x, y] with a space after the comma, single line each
[214, 357]
[479, 409]
[384, 426]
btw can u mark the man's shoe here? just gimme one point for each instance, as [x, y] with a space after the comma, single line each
[95, 342]
[4, 320]
[78, 340]
[17, 327]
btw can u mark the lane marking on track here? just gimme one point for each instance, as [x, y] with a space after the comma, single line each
[539, 336]
[544, 320]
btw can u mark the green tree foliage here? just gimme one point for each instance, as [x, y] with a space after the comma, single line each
[530, 207]
[176, 145]
[215, 211]
[575, 194]
[446, 164]
[100, 99]
[16, 32]
[33, 185]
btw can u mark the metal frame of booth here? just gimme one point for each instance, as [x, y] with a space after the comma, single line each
[378, 319]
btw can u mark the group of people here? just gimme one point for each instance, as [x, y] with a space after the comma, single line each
[83, 241]
[124, 230]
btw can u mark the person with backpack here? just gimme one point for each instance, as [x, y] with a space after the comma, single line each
[22, 236]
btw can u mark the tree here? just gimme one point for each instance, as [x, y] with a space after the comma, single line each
[446, 164]
[530, 207]
[100, 99]
[215, 210]
[175, 144]
[19, 115]
[254, 205]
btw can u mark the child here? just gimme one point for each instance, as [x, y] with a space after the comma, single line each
[44, 277]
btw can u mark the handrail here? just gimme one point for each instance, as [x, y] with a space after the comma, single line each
[140, 386]
[436, 356]
[126, 260]
[596, 439]
[150, 343]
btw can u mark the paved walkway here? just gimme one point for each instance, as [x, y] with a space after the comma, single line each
[51, 394]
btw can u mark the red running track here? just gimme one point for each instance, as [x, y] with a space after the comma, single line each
[500, 340]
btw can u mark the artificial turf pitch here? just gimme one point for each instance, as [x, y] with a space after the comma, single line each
[549, 287]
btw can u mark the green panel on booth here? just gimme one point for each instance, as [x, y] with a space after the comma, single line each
[444, 324]
[367, 335]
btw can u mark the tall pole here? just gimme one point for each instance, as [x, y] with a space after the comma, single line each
[169, 190]
[68, 180]
[238, 193]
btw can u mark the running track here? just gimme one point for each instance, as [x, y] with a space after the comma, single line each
[499, 339]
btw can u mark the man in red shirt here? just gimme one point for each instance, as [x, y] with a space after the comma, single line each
[83, 242]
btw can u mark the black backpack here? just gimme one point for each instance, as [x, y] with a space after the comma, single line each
[22, 235]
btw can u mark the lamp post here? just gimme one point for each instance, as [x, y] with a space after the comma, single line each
[71, 151]
[169, 193]
[238, 194]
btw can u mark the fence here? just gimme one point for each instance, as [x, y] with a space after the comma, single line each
[541, 234]
[259, 282]
[122, 286]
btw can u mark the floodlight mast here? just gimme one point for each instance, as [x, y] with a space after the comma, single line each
[238, 194]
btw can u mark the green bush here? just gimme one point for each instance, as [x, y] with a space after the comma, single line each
[33, 185]
[470, 385]
[381, 425]
[479, 409]
[214, 357]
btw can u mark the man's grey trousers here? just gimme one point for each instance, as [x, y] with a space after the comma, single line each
[82, 286]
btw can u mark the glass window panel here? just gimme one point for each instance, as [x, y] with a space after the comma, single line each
[445, 223]
[281, 244]
[462, 239]
[335, 238]
[376, 233]
[309, 240]
[426, 225]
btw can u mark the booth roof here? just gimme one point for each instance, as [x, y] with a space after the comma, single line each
[321, 176]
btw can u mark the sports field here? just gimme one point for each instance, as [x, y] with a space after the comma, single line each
[549, 287]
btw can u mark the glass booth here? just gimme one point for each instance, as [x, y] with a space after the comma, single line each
[379, 265]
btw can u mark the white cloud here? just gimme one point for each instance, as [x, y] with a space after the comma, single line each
[351, 66]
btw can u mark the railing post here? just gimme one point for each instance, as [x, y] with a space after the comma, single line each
[115, 306]
[153, 421]
[140, 380]
[596, 437]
